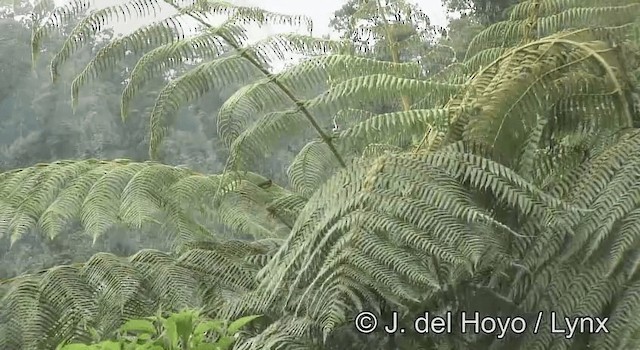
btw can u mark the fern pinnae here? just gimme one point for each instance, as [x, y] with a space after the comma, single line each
[336, 98]
[21, 299]
[20, 205]
[68, 203]
[81, 292]
[622, 319]
[101, 205]
[117, 282]
[194, 190]
[380, 87]
[204, 46]
[41, 9]
[251, 145]
[286, 208]
[92, 24]
[289, 94]
[48, 187]
[190, 86]
[53, 21]
[383, 126]
[557, 18]
[107, 57]
[527, 157]
[140, 199]
[628, 237]
[263, 96]
[63, 291]
[308, 170]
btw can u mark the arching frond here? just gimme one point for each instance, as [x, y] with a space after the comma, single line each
[207, 46]
[166, 32]
[343, 95]
[100, 194]
[554, 16]
[530, 202]
[426, 213]
[571, 81]
[63, 303]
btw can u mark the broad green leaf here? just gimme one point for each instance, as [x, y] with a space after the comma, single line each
[171, 332]
[235, 326]
[184, 324]
[138, 326]
[77, 347]
[206, 326]
[110, 345]
[225, 342]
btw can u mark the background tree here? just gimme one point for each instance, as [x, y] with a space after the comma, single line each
[391, 30]
[40, 126]
[488, 11]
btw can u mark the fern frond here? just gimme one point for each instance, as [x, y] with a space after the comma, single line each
[208, 45]
[420, 203]
[263, 96]
[349, 93]
[536, 78]
[314, 164]
[310, 168]
[564, 17]
[39, 311]
[98, 19]
[289, 332]
[100, 194]
[192, 85]
[59, 16]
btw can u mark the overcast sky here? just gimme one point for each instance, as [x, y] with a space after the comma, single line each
[321, 11]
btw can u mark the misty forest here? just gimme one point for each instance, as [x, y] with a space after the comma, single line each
[170, 180]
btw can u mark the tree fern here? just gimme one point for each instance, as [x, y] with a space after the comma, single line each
[41, 310]
[168, 32]
[527, 203]
[100, 194]
[526, 99]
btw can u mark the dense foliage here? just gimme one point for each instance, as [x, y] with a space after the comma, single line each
[183, 330]
[501, 181]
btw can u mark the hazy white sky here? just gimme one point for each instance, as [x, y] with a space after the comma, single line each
[321, 11]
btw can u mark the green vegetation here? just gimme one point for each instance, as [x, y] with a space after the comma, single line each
[394, 170]
[184, 330]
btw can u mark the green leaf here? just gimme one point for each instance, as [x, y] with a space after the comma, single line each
[171, 332]
[225, 342]
[143, 326]
[184, 324]
[110, 345]
[76, 347]
[144, 336]
[235, 326]
[206, 326]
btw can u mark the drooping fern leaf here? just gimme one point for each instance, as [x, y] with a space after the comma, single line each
[40, 310]
[100, 194]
